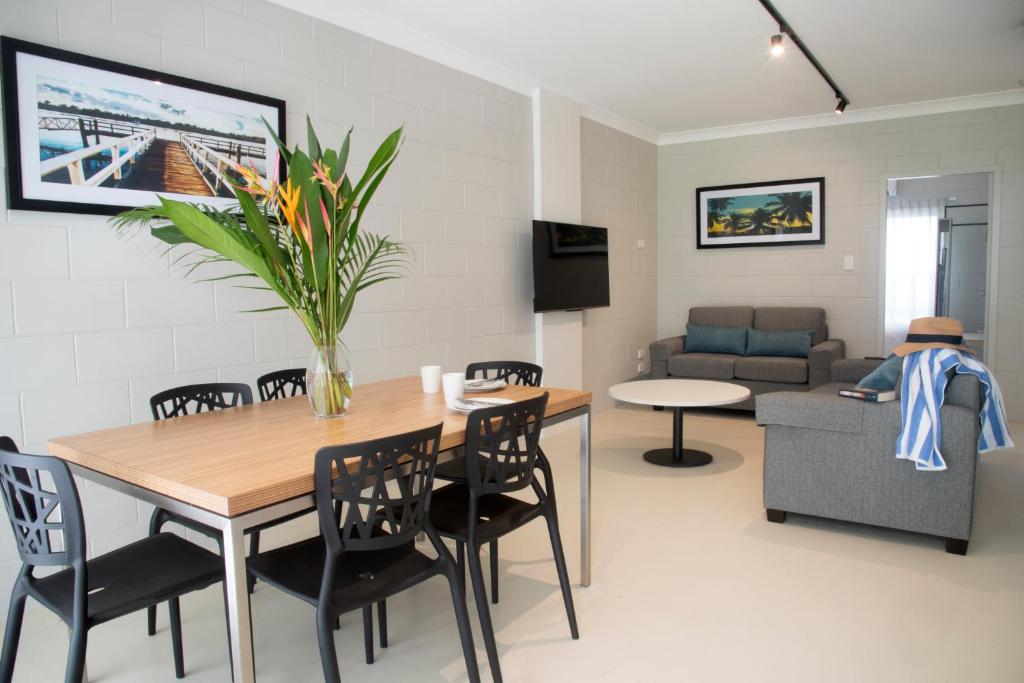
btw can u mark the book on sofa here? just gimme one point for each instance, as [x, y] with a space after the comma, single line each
[872, 395]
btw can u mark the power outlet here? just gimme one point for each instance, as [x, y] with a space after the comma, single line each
[641, 367]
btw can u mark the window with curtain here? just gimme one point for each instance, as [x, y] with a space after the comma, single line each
[911, 245]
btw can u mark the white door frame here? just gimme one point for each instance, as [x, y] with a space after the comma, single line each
[992, 262]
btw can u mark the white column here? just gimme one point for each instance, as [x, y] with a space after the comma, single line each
[557, 196]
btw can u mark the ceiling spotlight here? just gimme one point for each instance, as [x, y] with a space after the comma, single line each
[777, 47]
[841, 105]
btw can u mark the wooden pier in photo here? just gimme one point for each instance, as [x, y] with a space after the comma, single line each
[159, 159]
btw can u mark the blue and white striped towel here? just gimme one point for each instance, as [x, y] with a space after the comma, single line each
[925, 375]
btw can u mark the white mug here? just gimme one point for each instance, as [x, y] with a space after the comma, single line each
[453, 385]
[431, 377]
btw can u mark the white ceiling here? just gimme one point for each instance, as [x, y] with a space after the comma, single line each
[683, 65]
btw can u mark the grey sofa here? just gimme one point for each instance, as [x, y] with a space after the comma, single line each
[760, 374]
[835, 457]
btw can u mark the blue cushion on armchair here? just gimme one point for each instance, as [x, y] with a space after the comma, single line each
[883, 378]
[714, 339]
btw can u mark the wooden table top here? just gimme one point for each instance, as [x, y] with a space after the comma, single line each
[241, 459]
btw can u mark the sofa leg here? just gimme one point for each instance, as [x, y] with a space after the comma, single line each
[658, 408]
[956, 546]
[777, 516]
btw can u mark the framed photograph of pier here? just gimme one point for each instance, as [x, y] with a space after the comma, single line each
[87, 135]
[767, 214]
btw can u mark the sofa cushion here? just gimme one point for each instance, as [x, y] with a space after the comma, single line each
[702, 365]
[790, 343]
[715, 339]
[777, 318]
[772, 369]
[723, 316]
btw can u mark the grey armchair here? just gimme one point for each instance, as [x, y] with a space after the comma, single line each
[835, 457]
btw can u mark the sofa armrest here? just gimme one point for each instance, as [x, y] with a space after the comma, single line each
[811, 411]
[820, 361]
[661, 351]
[853, 370]
[964, 390]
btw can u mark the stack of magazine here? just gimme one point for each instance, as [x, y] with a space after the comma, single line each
[870, 395]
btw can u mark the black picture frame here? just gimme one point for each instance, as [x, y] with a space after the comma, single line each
[782, 227]
[19, 199]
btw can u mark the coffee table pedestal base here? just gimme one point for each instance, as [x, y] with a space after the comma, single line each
[666, 457]
[677, 456]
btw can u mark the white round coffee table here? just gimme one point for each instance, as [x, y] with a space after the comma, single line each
[678, 394]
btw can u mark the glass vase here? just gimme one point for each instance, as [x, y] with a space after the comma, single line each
[329, 381]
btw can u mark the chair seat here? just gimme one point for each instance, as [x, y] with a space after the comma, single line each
[499, 514]
[455, 469]
[131, 578]
[362, 578]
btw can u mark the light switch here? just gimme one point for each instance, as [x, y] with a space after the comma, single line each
[847, 263]
[640, 244]
[639, 354]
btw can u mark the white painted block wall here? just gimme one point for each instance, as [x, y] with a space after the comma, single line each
[92, 324]
[854, 159]
[620, 193]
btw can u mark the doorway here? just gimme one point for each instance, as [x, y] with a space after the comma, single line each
[937, 236]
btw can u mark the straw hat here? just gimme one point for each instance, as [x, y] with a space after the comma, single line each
[933, 333]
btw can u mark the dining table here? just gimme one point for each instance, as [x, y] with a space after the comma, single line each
[243, 467]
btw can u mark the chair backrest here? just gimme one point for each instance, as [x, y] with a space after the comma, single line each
[43, 507]
[196, 398]
[282, 384]
[512, 371]
[368, 506]
[507, 437]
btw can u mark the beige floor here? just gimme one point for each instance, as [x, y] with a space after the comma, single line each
[690, 584]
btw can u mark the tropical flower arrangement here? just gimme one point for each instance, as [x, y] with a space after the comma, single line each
[302, 238]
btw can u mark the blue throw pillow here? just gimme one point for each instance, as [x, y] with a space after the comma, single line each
[883, 378]
[714, 339]
[792, 343]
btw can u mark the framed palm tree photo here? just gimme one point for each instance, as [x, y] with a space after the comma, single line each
[767, 214]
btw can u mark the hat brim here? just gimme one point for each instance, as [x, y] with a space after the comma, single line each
[910, 347]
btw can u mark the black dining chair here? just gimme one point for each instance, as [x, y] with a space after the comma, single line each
[179, 402]
[503, 457]
[514, 372]
[45, 513]
[271, 387]
[282, 384]
[365, 552]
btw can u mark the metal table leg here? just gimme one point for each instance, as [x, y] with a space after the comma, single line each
[677, 456]
[585, 497]
[236, 590]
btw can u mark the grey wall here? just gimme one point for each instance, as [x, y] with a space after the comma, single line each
[619, 192]
[855, 160]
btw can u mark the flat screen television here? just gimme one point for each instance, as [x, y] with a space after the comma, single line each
[570, 266]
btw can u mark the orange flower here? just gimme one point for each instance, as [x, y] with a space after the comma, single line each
[326, 217]
[253, 181]
[288, 202]
[322, 173]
